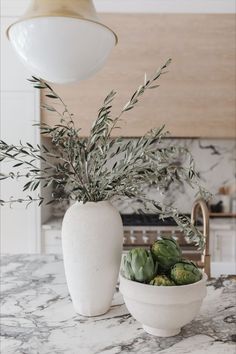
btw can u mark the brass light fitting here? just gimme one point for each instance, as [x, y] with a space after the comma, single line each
[62, 40]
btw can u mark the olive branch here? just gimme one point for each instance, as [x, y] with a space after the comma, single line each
[101, 167]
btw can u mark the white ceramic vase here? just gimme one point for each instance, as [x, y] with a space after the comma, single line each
[92, 237]
[163, 310]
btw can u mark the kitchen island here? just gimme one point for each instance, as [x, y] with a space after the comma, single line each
[37, 317]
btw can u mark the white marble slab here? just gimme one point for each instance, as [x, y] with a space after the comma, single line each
[38, 318]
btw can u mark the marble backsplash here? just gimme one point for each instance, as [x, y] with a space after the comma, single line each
[216, 163]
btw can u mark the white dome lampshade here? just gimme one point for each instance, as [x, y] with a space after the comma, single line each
[61, 41]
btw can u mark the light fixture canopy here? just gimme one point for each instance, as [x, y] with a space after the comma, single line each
[62, 40]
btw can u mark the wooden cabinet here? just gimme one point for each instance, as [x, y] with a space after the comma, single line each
[196, 98]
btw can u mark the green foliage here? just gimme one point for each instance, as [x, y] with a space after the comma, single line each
[166, 252]
[101, 167]
[139, 265]
[185, 272]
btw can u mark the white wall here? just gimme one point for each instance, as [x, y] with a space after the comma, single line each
[19, 227]
[166, 6]
[142, 6]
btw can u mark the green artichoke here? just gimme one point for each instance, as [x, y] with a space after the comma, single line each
[185, 272]
[166, 252]
[139, 265]
[162, 280]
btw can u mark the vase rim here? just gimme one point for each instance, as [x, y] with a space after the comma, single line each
[133, 283]
[93, 203]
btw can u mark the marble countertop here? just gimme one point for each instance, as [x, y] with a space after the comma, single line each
[37, 317]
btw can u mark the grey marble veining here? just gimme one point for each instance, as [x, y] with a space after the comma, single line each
[37, 317]
[215, 161]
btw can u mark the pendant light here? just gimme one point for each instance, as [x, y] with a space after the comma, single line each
[62, 40]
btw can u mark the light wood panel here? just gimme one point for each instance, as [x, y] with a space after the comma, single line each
[196, 97]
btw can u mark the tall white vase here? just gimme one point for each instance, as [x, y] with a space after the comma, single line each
[92, 236]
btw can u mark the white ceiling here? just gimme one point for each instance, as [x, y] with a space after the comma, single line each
[17, 7]
[166, 6]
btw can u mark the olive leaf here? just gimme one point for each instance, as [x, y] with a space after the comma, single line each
[101, 167]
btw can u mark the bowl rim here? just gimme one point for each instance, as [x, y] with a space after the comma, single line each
[146, 286]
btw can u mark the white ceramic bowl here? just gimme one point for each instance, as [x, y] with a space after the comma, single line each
[163, 310]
